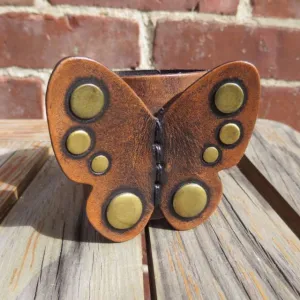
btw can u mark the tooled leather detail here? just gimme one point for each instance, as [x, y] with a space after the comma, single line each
[155, 91]
[158, 155]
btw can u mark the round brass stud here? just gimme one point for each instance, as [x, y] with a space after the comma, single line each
[100, 164]
[229, 98]
[78, 142]
[230, 133]
[124, 211]
[210, 154]
[189, 200]
[87, 101]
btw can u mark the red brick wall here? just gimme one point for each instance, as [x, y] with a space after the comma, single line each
[123, 34]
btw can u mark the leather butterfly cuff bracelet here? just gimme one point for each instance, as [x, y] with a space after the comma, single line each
[150, 139]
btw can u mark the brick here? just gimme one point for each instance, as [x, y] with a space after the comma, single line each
[17, 2]
[219, 6]
[209, 6]
[204, 45]
[40, 41]
[277, 9]
[281, 104]
[21, 98]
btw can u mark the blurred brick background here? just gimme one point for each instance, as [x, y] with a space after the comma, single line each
[130, 34]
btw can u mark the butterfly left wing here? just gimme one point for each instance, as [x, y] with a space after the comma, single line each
[102, 135]
[204, 130]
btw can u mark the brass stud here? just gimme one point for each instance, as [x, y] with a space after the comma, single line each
[78, 142]
[230, 133]
[124, 211]
[87, 101]
[210, 154]
[189, 200]
[100, 164]
[229, 98]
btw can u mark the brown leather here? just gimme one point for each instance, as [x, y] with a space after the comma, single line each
[127, 129]
[156, 90]
[192, 123]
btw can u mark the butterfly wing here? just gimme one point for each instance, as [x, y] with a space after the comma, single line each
[102, 135]
[204, 131]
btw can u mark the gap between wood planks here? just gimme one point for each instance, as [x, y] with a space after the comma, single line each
[18, 168]
[272, 165]
[268, 192]
[253, 175]
[271, 134]
[271, 195]
[158, 243]
[151, 278]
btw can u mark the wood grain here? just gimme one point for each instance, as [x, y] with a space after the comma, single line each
[19, 163]
[24, 130]
[49, 250]
[243, 251]
[7, 148]
[272, 164]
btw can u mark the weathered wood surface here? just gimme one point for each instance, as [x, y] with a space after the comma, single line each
[48, 249]
[19, 163]
[245, 250]
[274, 152]
[24, 130]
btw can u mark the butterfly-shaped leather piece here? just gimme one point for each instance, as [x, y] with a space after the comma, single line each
[152, 141]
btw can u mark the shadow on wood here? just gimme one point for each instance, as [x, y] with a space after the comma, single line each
[17, 169]
[52, 204]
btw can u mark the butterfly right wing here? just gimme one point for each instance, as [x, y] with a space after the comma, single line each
[204, 131]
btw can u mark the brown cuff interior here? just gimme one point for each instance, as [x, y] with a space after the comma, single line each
[156, 88]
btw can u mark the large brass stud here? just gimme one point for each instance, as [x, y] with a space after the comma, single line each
[78, 142]
[124, 210]
[210, 154]
[189, 200]
[229, 98]
[87, 101]
[230, 133]
[100, 164]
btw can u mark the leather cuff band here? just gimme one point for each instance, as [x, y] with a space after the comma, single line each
[156, 88]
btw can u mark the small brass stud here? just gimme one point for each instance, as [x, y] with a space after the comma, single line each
[100, 164]
[229, 98]
[230, 133]
[78, 142]
[87, 101]
[210, 154]
[124, 211]
[189, 200]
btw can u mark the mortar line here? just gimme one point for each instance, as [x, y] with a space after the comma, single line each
[269, 82]
[44, 74]
[146, 42]
[244, 11]
[243, 17]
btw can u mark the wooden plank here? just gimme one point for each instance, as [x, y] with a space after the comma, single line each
[272, 164]
[19, 163]
[244, 250]
[7, 149]
[24, 130]
[49, 250]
